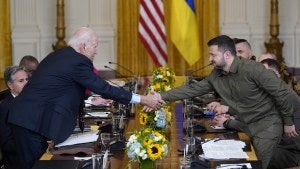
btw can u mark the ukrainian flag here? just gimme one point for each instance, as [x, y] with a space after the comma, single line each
[184, 30]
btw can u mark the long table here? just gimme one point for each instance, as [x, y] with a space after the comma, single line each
[120, 161]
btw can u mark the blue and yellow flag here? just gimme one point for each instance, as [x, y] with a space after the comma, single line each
[184, 30]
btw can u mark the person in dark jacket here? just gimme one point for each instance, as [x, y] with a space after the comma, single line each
[48, 107]
[15, 78]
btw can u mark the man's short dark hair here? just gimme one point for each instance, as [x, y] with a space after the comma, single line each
[272, 63]
[224, 43]
[28, 58]
[237, 41]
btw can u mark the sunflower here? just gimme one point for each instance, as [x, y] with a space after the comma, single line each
[156, 86]
[155, 151]
[143, 118]
[147, 141]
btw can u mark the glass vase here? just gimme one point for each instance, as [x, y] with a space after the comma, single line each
[147, 164]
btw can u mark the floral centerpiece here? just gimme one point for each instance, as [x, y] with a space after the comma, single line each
[156, 119]
[163, 79]
[146, 146]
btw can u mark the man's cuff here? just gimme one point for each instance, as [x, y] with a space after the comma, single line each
[136, 98]
[226, 123]
[288, 121]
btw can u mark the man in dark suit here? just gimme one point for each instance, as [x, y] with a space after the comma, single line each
[15, 78]
[48, 106]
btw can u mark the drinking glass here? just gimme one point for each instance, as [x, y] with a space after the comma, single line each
[189, 127]
[105, 140]
[190, 149]
[96, 160]
[118, 125]
[189, 111]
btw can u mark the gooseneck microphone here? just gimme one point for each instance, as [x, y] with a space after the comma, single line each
[114, 63]
[113, 83]
[128, 81]
[121, 75]
[189, 74]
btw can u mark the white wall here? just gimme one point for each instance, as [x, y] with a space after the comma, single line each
[33, 26]
[250, 19]
[34, 21]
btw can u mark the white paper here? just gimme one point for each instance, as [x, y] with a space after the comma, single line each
[230, 166]
[82, 158]
[80, 138]
[224, 149]
[100, 114]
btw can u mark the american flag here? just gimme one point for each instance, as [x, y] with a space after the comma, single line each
[152, 30]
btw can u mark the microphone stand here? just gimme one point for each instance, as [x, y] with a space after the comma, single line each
[190, 74]
[114, 63]
[133, 87]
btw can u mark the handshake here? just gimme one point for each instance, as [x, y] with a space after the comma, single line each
[151, 101]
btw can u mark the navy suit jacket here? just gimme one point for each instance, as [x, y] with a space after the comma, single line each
[7, 143]
[50, 102]
[6, 137]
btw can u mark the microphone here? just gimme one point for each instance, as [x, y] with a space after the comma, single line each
[135, 79]
[128, 83]
[113, 83]
[121, 75]
[191, 72]
[114, 63]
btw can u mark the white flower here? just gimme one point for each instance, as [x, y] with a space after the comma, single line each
[168, 73]
[142, 153]
[167, 87]
[159, 76]
[137, 150]
[132, 138]
[145, 156]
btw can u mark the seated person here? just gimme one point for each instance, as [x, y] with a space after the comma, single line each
[266, 56]
[15, 78]
[30, 63]
[288, 151]
[243, 48]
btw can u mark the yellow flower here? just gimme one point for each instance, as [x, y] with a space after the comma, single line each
[146, 131]
[143, 118]
[157, 134]
[168, 115]
[147, 141]
[155, 151]
[156, 86]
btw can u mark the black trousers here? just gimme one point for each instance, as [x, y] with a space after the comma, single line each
[30, 146]
[284, 158]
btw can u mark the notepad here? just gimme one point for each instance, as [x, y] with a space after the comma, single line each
[80, 138]
[100, 114]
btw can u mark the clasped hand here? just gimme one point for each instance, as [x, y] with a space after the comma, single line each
[152, 101]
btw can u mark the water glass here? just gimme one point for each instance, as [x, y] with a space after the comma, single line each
[118, 127]
[189, 127]
[105, 140]
[96, 160]
[189, 110]
[190, 149]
